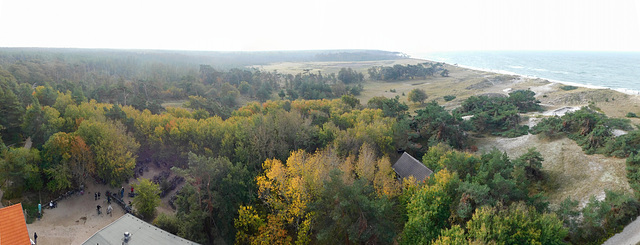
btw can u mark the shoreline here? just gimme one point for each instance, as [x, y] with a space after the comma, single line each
[621, 90]
[504, 72]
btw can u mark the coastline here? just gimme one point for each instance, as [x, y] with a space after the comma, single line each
[621, 90]
[624, 90]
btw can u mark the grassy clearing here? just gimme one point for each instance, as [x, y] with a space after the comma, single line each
[176, 104]
[332, 67]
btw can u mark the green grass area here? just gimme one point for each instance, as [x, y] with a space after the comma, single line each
[175, 103]
[332, 67]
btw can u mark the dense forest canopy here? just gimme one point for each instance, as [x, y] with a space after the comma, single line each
[146, 78]
[294, 158]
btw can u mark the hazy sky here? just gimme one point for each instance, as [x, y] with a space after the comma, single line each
[398, 25]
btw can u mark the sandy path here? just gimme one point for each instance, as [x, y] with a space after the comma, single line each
[76, 219]
[630, 235]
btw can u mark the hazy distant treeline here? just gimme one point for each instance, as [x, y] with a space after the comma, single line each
[145, 79]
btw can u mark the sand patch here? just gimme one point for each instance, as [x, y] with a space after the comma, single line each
[561, 111]
[571, 173]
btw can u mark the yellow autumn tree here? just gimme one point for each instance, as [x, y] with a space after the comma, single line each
[366, 164]
[384, 180]
[289, 189]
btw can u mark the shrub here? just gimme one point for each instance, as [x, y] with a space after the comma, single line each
[631, 114]
[418, 96]
[449, 97]
[568, 87]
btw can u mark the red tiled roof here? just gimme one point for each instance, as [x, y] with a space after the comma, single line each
[13, 227]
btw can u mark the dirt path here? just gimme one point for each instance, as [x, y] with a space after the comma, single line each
[630, 235]
[76, 219]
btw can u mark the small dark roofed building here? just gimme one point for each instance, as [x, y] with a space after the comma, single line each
[408, 166]
[130, 230]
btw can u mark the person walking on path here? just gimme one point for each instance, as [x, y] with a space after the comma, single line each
[35, 238]
[109, 210]
[122, 193]
[98, 195]
[95, 196]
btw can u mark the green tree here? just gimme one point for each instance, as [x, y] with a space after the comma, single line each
[390, 107]
[550, 127]
[417, 95]
[67, 161]
[12, 113]
[167, 222]
[433, 125]
[452, 236]
[46, 95]
[264, 93]
[532, 163]
[609, 216]
[348, 75]
[245, 88]
[113, 149]
[223, 187]
[449, 97]
[352, 213]
[633, 172]
[62, 101]
[40, 123]
[247, 224]
[191, 215]
[147, 197]
[517, 224]
[19, 171]
[429, 209]
[350, 100]
[525, 100]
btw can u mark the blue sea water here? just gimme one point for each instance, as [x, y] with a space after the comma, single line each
[615, 70]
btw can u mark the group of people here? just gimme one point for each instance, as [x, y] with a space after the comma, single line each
[109, 209]
[96, 196]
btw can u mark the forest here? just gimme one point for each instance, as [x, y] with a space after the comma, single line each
[273, 158]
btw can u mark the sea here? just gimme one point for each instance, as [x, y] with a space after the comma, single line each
[614, 70]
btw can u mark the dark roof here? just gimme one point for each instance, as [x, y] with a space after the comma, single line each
[408, 166]
[13, 227]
